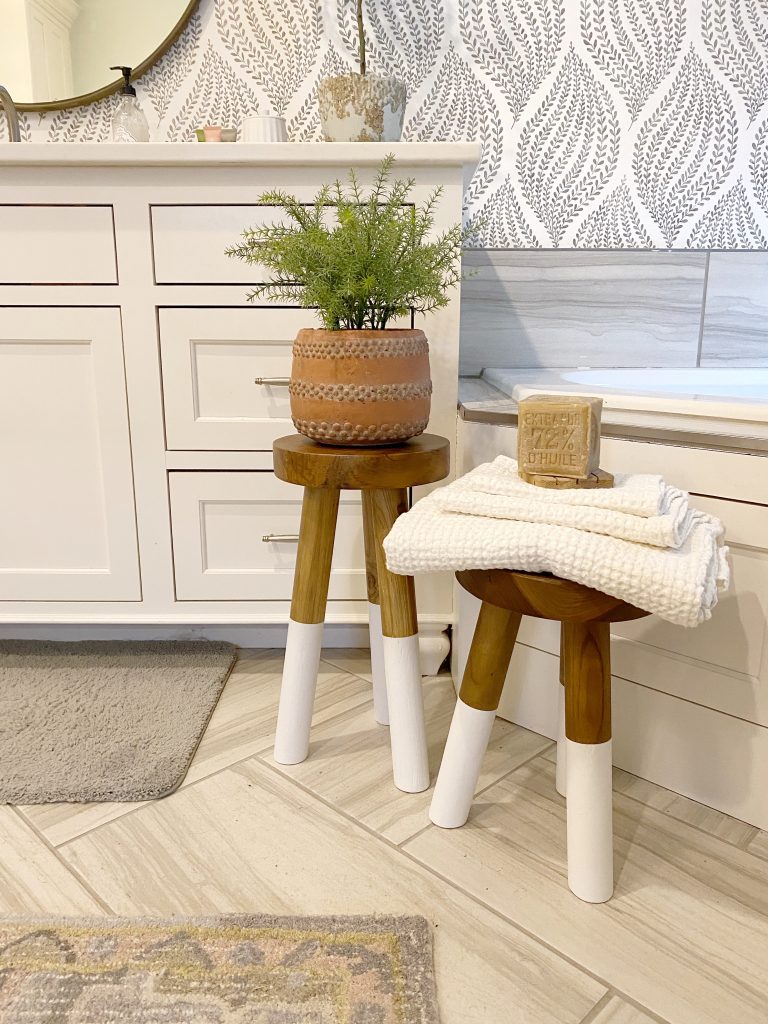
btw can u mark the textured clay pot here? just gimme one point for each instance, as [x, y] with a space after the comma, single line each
[360, 387]
[361, 108]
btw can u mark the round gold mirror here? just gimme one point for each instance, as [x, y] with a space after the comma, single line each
[58, 53]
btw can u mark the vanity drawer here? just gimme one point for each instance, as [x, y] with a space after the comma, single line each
[57, 245]
[219, 523]
[189, 243]
[211, 359]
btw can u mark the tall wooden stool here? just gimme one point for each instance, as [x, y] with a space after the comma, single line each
[383, 475]
[585, 616]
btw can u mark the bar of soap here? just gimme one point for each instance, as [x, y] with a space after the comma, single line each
[559, 436]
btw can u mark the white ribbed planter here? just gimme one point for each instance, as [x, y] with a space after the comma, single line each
[361, 108]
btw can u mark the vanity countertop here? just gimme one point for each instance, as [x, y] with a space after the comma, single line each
[195, 154]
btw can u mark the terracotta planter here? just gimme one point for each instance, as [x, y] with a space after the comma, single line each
[361, 108]
[360, 387]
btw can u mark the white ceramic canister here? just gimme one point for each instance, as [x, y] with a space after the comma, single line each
[263, 128]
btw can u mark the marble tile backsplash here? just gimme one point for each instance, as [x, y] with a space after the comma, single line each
[736, 311]
[613, 308]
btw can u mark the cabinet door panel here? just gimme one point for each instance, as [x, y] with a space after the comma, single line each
[220, 522]
[211, 359]
[67, 518]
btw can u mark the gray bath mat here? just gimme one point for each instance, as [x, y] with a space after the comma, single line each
[103, 720]
[292, 970]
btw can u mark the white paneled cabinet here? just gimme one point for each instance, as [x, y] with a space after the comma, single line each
[135, 443]
[235, 536]
[67, 519]
[212, 359]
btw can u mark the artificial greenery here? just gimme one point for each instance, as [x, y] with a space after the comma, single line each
[360, 259]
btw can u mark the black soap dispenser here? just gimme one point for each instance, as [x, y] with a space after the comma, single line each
[129, 124]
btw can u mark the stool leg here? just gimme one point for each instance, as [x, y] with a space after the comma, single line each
[484, 675]
[380, 708]
[305, 628]
[560, 764]
[588, 741]
[401, 651]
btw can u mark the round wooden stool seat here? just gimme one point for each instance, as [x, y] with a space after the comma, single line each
[543, 596]
[422, 460]
[584, 764]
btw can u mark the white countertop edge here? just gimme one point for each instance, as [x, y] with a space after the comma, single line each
[196, 154]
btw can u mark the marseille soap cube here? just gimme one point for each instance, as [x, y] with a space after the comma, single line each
[559, 435]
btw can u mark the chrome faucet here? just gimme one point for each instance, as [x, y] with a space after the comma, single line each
[11, 114]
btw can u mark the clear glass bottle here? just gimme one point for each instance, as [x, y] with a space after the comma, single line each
[129, 123]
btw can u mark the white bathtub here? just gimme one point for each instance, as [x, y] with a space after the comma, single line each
[715, 395]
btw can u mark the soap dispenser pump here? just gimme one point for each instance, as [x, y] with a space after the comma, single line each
[129, 123]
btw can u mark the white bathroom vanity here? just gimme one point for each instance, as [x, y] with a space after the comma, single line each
[135, 440]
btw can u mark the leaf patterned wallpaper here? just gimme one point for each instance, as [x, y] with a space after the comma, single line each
[605, 123]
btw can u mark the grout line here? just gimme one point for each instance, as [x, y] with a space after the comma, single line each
[82, 882]
[599, 1006]
[258, 754]
[700, 345]
[566, 958]
[612, 995]
[744, 844]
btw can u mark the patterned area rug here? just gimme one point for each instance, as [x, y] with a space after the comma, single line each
[224, 970]
[103, 720]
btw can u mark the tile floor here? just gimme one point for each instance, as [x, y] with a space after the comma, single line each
[685, 939]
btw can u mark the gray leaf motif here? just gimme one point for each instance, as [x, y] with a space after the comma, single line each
[635, 44]
[273, 42]
[614, 224]
[686, 149]
[403, 36]
[500, 222]
[166, 79]
[515, 43]
[459, 107]
[758, 166]
[568, 149]
[730, 224]
[304, 125]
[218, 96]
[84, 124]
[736, 34]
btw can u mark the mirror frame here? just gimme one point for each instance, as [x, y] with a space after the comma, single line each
[138, 71]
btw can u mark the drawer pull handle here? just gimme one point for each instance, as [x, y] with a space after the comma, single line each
[270, 538]
[273, 382]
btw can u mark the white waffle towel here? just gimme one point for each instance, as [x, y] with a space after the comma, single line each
[639, 494]
[678, 584]
[488, 491]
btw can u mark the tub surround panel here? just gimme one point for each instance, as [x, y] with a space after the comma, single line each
[736, 313]
[669, 148]
[615, 309]
[581, 309]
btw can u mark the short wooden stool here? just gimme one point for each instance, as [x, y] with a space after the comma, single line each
[383, 475]
[583, 749]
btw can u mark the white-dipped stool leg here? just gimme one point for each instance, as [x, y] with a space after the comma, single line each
[297, 692]
[460, 768]
[561, 772]
[410, 765]
[590, 820]
[380, 707]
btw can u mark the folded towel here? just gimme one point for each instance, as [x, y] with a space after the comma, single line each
[667, 530]
[639, 494]
[678, 584]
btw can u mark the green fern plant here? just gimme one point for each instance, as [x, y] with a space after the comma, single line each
[360, 259]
